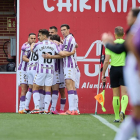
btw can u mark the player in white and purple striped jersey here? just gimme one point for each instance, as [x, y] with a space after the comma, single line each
[22, 69]
[132, 77]
[58, 81]
[31, 72]
[69, 66]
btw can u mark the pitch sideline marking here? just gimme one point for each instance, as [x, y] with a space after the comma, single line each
[104, 121]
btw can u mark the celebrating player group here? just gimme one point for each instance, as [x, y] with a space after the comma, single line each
[45, 69]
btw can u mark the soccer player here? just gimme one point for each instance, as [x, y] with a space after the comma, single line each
[130, 124]
[60, 67]
[22, 70]
[57, 82]
[116, 76]
[132, 79]
[69, 66]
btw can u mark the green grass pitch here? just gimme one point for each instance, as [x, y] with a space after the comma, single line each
[54, 127]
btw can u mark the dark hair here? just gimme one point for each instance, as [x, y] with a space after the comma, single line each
[31, 34]
[65, 25]
[55, 37]
[44, 32]
[135, 11]
[53, 27]
[119, 31]
[72, 34]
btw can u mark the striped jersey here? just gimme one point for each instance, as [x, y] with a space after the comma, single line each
[75, 59]
[45, 65]
[59, 62]
[33, 61]
[69, 45]
[135, 29]
[25, 50]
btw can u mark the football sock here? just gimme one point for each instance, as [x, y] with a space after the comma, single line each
[41, 103]
[54, 99]
[62, 102]
[126, 129]
[47, 100]
[36, 99]
[137, 125]
[124, 103]
[22, 103]
[75, 100]
[28, 98]
[71, 99]
[116, 106]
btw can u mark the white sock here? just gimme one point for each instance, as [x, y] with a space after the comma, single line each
[47, 100]
[137, 124]
[28, 98]
[76, 100]
[71, 99]
[22, 103]
[41, 103]
[62, 102]
[36, 99]
[126, 129]
[54, 100]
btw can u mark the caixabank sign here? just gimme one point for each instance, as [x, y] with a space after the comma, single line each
[87, 19]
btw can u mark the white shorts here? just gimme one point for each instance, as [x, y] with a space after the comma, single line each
[77, 78]
[132, 79]
[43, 79]
[56, 79]
[22, 77]
[69, 73]
[31, 75]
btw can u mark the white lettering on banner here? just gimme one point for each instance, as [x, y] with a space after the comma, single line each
[60, 4]
[48, 9]
[98, 45]
[110, 3]
[83, 6]
[89, 85]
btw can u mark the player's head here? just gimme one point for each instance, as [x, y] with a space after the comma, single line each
[55, 37]
[65, 29]
[43, 34]
[53, 30]
[31, 38]
[132, 16]
[119, 32]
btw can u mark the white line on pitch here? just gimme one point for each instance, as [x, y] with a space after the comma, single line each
[104, 121]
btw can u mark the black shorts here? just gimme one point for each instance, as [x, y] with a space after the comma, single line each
[116, 76]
